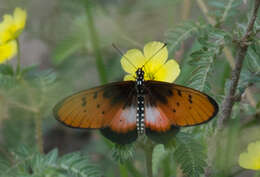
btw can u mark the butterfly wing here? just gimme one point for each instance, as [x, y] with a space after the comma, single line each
[110, 108]
[169, 106]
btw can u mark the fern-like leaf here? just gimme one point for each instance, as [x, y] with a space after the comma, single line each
[31, 163]
[123, 153]
[211, 41]
[190, 154]
[225, 9]
[180, 33]
[77, 164]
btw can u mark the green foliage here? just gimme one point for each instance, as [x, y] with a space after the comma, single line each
[211, 42]
[225, 9]
[190, 154]
[180, 33]
[252, 59]
[159, 153]
[27, 98]
[31, 163]
[123, 153]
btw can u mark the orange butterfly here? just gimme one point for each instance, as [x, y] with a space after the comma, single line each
[124, 110]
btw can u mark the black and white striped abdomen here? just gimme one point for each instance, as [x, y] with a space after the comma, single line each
[140, 101]
[140, 115]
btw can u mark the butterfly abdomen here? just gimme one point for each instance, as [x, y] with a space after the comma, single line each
[140, 101]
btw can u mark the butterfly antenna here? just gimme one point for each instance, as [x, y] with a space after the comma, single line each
[165, 44]
[122, 55]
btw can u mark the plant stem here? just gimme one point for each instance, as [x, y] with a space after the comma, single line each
[148, 159]
[228, 7]
[131, 168]
[226, 50]
[244, 43]
[38, 132]
[205, 11]
[95, 44]
[18, 67]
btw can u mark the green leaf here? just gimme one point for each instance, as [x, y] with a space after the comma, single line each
[6, 69]
[180, 33]
[227, 8]
[159, 153]
[253, 60]
[190, 155]
[43, 79]
[7, 81]
[28, 162]
[78, 164]
[28, 69]
[123, 153]
[212, 41]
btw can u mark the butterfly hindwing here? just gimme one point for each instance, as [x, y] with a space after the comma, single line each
[110, 108]
[170, 105]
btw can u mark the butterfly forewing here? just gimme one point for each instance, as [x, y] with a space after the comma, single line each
[174, 105]
[100, 107]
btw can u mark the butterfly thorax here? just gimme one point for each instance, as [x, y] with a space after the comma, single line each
[140, 101]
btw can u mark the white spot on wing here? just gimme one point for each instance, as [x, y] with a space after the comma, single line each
[129, 114]
[151, 114]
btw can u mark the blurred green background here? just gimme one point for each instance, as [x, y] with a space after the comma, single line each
[67, 46]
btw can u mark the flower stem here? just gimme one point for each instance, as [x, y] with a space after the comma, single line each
[149, 158]
[148, 147]
[95, 44]
[18, 67]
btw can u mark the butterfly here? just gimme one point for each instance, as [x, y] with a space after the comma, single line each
[124, 110]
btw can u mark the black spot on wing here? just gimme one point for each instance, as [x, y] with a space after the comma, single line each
[190, 99]
[83, 101]
[170, 92]
[95, 95]
[179, 92]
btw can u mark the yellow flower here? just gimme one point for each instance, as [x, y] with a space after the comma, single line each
[8, 51]
[12, 26]
[153, 60]
[251, 159]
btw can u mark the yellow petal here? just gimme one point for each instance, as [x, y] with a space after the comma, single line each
[128, 77]
[5, 31]
[156, 53]
[251, 159]
[168, 72]
[8, 51]
[132, 60]
[20, 16]
[12, 26]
